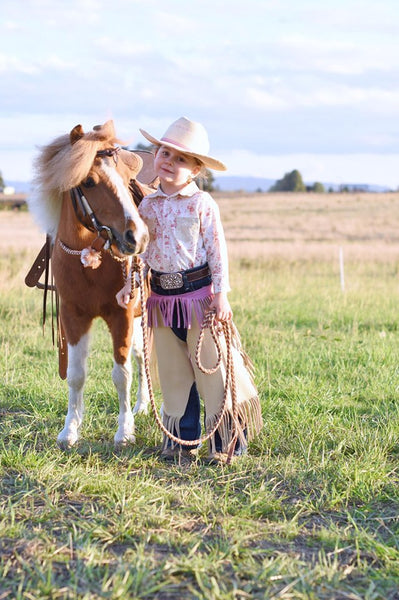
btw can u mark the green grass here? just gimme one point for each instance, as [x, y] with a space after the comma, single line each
[310, 513]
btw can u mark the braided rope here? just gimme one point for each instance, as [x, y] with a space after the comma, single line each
[209, 322]
[121, 259]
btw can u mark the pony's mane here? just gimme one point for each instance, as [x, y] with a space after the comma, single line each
[61, 166]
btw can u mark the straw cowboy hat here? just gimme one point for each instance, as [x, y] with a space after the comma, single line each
[190, 138]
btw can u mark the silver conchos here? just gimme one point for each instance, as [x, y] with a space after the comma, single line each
[171, 281]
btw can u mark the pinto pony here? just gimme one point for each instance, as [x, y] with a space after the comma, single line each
[84, 203]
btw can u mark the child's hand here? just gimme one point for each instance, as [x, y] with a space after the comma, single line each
[123, 296]
[222, 307]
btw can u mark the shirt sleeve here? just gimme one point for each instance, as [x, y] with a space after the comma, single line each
[144, 254]
[215, 244]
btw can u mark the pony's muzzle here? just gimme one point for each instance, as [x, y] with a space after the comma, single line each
[130, 240]
[133, 243]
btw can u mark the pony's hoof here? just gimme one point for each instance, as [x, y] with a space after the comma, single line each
[127, 440]
[140, 409]
[66, 443]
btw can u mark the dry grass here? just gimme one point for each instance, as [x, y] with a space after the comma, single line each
[283, 225]
[309, 226]
[20, 242]
[17, 231]
[268, 228]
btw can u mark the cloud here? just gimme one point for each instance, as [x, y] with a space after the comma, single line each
[169, 23]
[351, 56]
[13, 65]
[263, 76]
[52, 14]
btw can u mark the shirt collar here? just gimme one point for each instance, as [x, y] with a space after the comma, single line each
[189, 190]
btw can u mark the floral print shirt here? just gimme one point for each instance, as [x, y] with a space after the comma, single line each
[185, 232]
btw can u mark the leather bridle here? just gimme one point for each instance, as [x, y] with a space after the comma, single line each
[82, 207]
[83, 212]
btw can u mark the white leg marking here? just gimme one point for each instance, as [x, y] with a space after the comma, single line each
[122, 378]
[76, 377]
[143, 396]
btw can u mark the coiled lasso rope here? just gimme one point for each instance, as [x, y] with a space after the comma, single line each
[208, 322]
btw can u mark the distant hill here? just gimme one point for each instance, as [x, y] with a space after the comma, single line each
[226, 184]
[254, 184]
[236, 183]
[362, 187]
[20, 187]
[232, 183]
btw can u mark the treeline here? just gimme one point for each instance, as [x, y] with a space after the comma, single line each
[293, 182]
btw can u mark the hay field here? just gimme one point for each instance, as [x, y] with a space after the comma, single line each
[311, 226]
[280, 225]
[18, 231]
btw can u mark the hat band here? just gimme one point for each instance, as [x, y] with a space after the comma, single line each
[169, 141]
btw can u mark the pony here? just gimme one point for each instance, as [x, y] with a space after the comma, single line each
[83, 201]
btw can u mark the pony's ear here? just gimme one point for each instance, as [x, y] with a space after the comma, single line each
[132, 161]
[106, 131]
[76, 133]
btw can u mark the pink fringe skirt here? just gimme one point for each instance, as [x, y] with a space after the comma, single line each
[181, 305]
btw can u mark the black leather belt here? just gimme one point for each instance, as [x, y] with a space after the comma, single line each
[173, 281]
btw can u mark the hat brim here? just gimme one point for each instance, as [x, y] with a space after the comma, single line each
[208, 161]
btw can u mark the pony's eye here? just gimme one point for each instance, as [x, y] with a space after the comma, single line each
[89, 182]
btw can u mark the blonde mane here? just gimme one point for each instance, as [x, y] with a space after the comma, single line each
[60, 166]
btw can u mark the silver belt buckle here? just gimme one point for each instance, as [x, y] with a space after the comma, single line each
[171, 281]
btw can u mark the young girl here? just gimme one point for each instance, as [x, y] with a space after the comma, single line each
[187, 256]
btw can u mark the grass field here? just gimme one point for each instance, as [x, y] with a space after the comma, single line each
[311, 513]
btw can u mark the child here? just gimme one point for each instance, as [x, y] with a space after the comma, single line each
[187, 255]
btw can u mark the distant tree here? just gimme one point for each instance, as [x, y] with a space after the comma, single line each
[2, 184]
[318, 187]
[206, 181]
[141, 146]
[291, 182]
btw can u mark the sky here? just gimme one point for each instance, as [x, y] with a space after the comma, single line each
[279, 85]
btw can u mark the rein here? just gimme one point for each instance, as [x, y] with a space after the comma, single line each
[208, 322]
